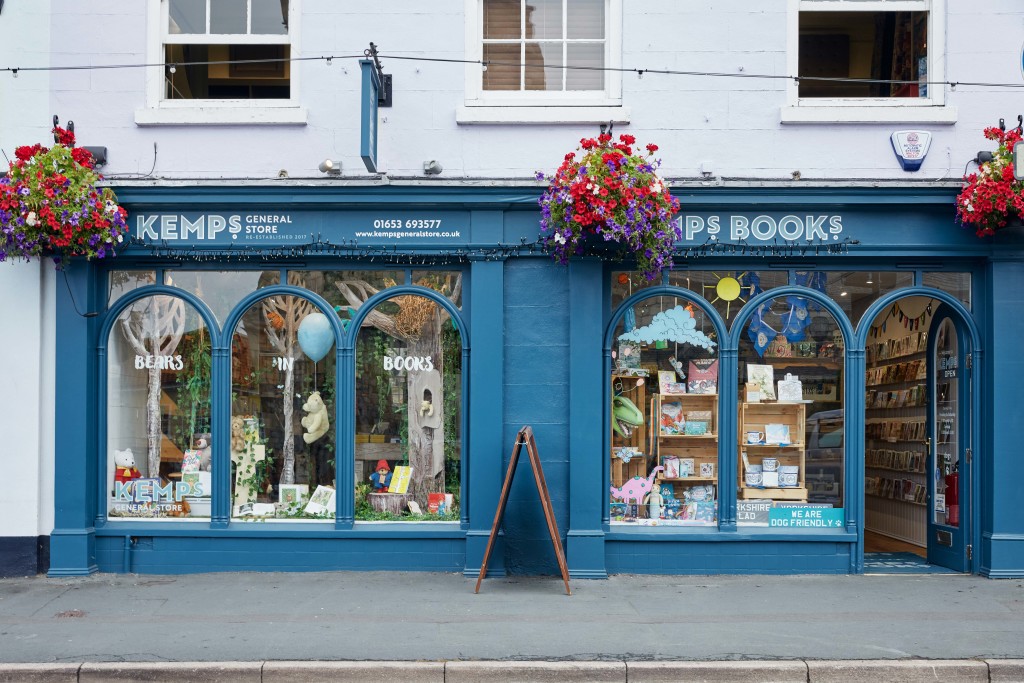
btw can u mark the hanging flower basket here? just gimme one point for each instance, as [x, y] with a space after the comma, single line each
[991, 199]
[614, 194]
[50, 205]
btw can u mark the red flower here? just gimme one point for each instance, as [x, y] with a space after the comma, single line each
[652, 148]
[64, 137]
[628, 139]
[25, 153]
[82, 156]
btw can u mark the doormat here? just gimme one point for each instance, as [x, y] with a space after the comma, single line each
[901, 563]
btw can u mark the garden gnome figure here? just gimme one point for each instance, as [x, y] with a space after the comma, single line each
[381, 478]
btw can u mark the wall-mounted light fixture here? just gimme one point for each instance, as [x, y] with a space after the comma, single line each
[330, 167]
[99, 155]
[432, 167]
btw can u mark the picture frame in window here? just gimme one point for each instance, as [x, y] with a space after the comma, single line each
[292, 495]
[777, 434]
[668, 385]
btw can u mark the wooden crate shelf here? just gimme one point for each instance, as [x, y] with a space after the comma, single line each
[635, 391]
[753, 418]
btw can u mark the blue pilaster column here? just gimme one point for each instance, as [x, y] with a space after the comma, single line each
[728, 455]
[73, 541]
[1001, 467]
[853, 460]
[220, 418]
[345, 439]
[485, 452]
[588, 488]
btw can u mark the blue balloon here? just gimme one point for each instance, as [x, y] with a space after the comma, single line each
[315, 336]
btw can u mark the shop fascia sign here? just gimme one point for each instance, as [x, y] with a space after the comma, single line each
[208, 227]
[271, 227]
[757, 229]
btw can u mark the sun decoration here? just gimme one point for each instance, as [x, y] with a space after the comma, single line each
[728, 289]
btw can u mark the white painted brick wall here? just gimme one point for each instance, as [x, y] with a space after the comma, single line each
[733, 123]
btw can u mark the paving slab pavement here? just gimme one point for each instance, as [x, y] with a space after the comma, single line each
[640, 624]
[780, 671]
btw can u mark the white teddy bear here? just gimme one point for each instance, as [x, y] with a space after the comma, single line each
[316, 422]
[125, 470]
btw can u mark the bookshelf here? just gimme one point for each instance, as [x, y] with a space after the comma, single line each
[895, 431]
[687, 431]
[634, 388]
[756, 417]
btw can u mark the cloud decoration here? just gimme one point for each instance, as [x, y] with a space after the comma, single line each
[674, 325]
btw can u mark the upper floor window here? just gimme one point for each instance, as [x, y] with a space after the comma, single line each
[222, 62]
[873, 54]
[527, 42]
[544, 53]
[227, 50]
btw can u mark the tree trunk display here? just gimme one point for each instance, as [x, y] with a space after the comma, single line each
[395, 503]
[154, 333]
[418, 324]
[282, 315]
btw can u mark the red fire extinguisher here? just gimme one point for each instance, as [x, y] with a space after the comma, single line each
[953, 498]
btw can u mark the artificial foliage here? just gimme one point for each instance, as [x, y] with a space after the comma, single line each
[51, 204]
[613, 192]
[991, 197]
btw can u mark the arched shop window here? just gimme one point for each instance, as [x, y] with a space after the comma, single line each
[408, 400]
[121, 282]
[221, 290]
[728, 290]
[664, 415]
[158, 411]
[348, 290]
[283, 396]
[790, 415]
[627, 283]
[957, 284]
[855, 291]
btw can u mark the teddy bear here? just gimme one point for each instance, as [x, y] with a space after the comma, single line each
[237, 434]
[125, 470]
[316, 422]
[205, 454]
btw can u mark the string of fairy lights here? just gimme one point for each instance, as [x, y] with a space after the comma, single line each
[171, 67]
[318, 247]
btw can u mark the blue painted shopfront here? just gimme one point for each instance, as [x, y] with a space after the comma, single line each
[537, 342]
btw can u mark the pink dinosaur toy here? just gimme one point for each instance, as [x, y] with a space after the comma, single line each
[636, 488]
